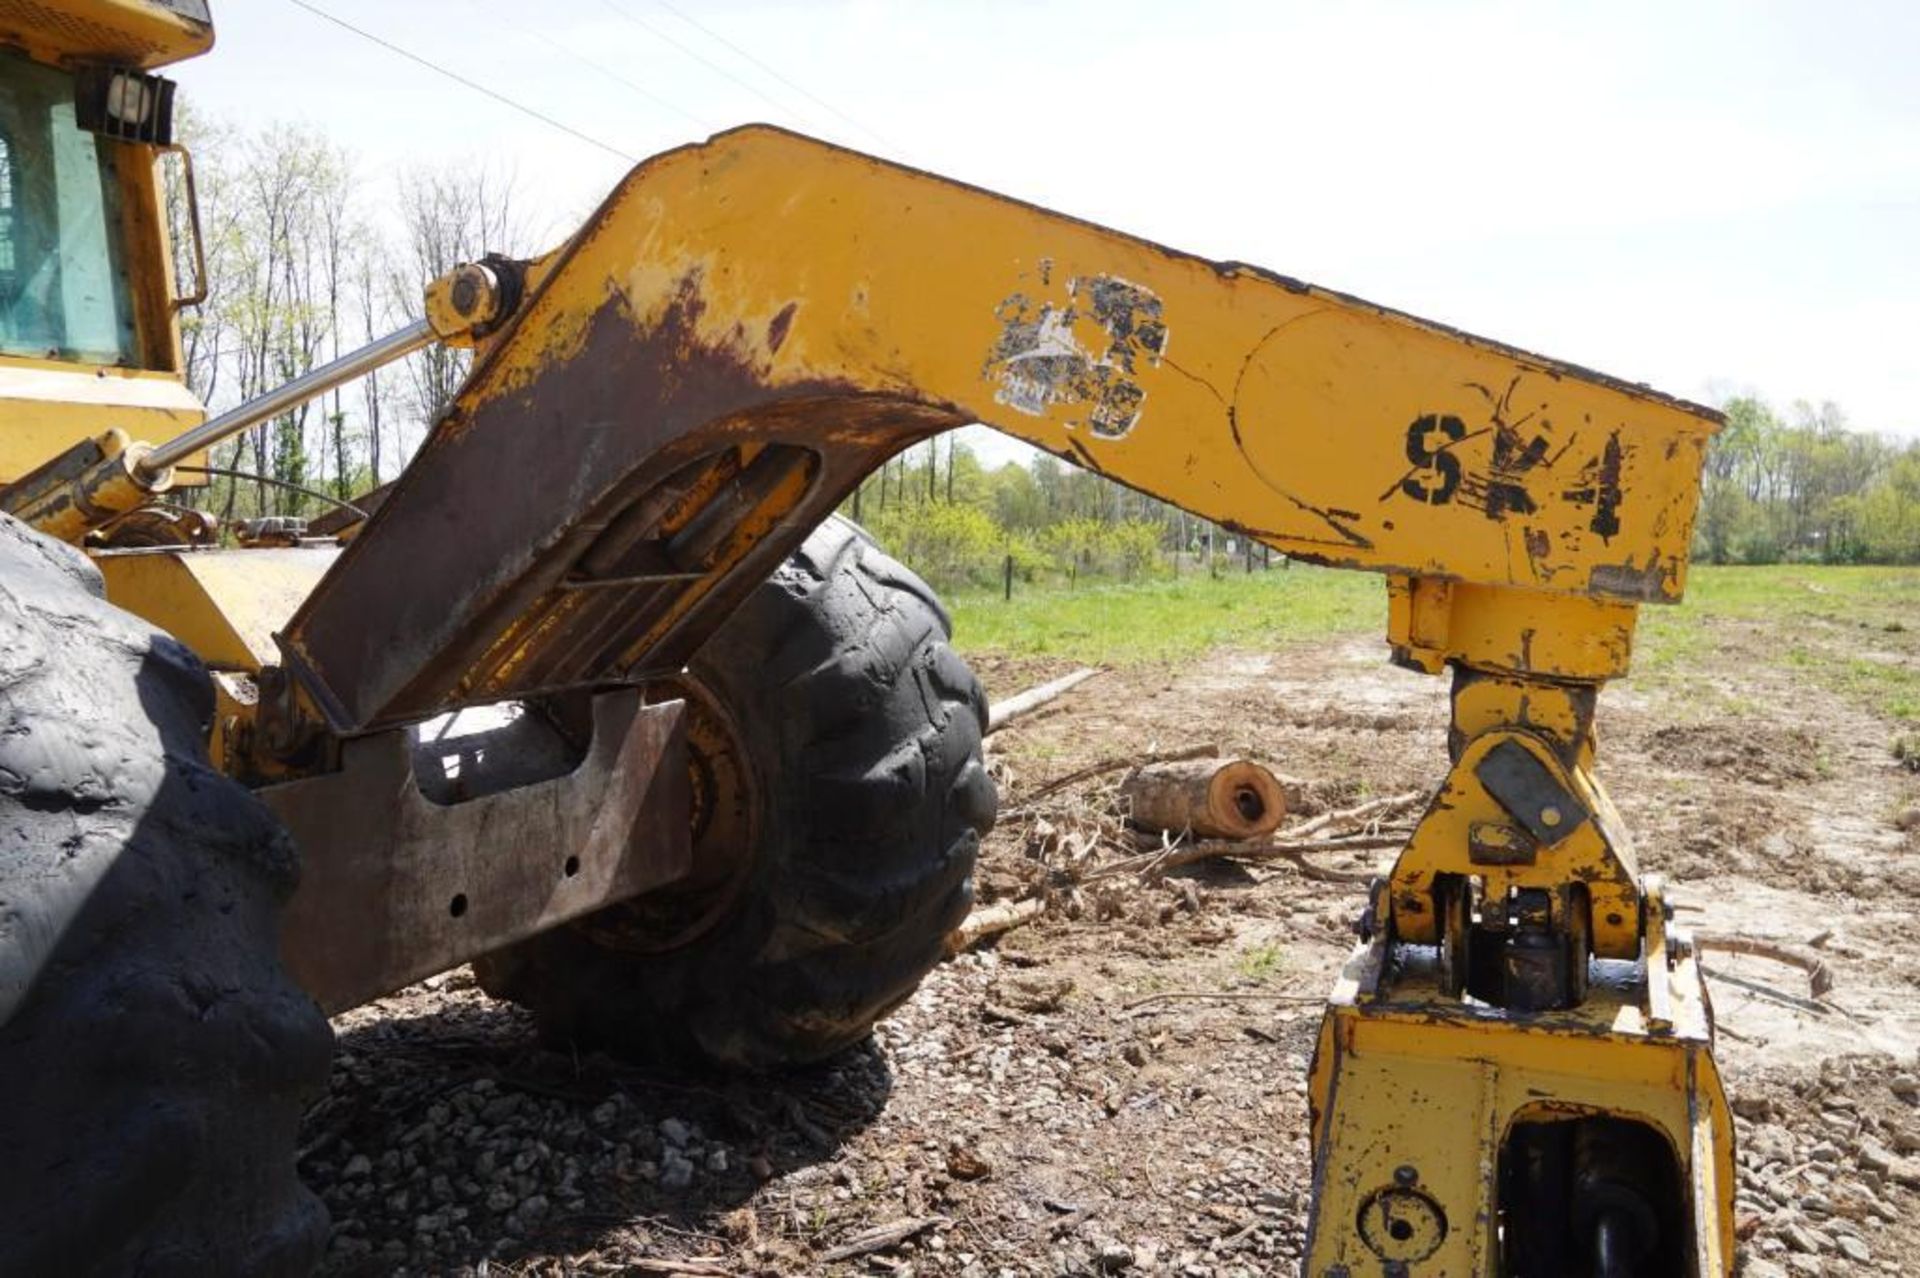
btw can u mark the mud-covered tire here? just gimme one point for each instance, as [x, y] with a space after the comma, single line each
[861, 728]
[154, 1056]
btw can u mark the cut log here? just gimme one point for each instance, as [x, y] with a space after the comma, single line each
[1236, 799]
[1001, 713]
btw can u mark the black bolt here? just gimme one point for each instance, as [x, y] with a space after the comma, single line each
[1407, 1175]
[466, 293]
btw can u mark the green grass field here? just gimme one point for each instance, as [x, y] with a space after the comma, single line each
[1170, 617]
[1856, 630]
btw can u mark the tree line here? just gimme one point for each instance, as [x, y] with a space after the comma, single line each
[960, 524]
[307, 258]
[1804, 487]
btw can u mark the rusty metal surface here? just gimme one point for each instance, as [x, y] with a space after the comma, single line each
[395, 887]
[159, 525]
[472, 562]
[224, 604]
[764, 318]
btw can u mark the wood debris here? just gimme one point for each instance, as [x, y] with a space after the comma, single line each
[1205, 749]
[1819, 974]
[1001, 713]
[992, 920]
[882, 1237]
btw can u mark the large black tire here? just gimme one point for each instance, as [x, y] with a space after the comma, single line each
[859, 730]
[154, 1056]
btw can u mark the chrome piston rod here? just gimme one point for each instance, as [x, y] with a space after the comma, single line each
[295, 393]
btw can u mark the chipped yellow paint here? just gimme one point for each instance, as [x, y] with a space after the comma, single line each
[140, 33]
[47, 406]
[1431, 620]
[1550, 711]
[1414, 1082]
[1327, 426]
[1521, 509]
[224, 604]
[1596, 854]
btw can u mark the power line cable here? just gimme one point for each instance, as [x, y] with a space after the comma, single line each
[698, 123]
[477, 87]
[696, 55]
[814, 98]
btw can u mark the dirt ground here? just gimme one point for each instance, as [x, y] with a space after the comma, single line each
[1027, 1113]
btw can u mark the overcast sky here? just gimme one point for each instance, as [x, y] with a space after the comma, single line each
[1713, 198]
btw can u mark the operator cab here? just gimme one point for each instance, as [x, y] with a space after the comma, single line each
[89, 297]
[64, 288]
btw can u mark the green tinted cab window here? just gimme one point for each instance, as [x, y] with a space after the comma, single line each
[63, 290]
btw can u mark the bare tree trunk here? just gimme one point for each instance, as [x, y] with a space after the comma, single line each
[371, 394]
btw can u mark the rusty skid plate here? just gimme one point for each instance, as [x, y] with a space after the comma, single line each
[395, 886]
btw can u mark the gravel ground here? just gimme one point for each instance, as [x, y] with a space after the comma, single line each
[1026, 1114]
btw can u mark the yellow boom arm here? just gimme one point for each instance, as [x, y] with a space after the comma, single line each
[768, 294]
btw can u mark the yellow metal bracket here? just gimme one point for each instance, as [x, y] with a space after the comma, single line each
[1426, 1111]
[1432, 621]
[1512, 816]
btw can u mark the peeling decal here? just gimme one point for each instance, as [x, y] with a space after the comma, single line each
[1084, 352]
[1435, 476]
[1502, 491]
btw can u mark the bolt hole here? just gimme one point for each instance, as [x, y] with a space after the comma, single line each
[572, 867]
[458, 905]
[1615, 920]
[1247, 801]
[1401, 1230]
